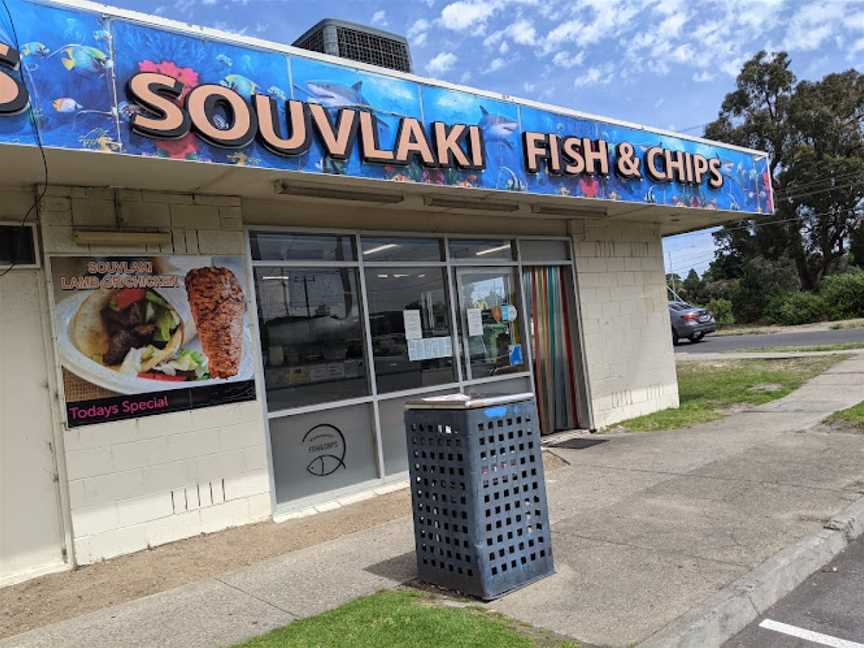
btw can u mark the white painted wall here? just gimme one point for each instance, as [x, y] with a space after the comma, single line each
[144, 482]
[31, 539]
[628, 345]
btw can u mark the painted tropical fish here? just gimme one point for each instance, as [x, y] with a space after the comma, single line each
[71, 31]
[512, 182]
[102, 35]
[35, 48]
[69, 106]
[98, 138]
[220, 122]
[497, 128]
[336, 95]
[224, 60]
[127, 110]
[85, 60]
[66, 105]
[240, 84]
[277, 93]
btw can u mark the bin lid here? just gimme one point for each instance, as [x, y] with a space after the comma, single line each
[465, 401]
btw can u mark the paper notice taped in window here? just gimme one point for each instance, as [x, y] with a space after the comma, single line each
[475, 322]
[413, 327]
[430, 348]
[416, 350]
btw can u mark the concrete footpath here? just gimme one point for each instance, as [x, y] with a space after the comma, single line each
[647, 529]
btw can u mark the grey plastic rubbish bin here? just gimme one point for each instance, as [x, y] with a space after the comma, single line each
[478, 496]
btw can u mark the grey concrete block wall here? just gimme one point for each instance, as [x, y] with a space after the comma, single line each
[125, 478]
[628, 347]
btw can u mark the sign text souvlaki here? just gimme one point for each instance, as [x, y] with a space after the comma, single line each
[460, 146]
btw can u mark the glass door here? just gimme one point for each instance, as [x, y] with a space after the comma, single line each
[490, 321]
[551, 307]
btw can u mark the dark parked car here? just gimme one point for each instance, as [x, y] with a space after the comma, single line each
[690, 322]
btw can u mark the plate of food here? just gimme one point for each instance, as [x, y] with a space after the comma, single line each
[136, 340]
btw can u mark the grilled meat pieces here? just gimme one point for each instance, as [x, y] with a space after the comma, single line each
[218, 305]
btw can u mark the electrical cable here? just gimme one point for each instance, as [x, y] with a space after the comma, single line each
[37, 134]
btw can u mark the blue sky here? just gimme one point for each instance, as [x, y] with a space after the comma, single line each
[664, 63]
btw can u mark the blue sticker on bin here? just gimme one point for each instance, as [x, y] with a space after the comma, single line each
[495, 412]
[516, 354]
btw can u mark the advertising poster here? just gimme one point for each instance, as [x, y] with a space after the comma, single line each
[138, 336]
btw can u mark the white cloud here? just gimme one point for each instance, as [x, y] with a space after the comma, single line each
[565, 59]
[812, 25]
[496, 65]
[461, 15]
[595, 75]
[857, 46]
[671, 26]
[418, 32]
[379, 18]
[522, 32]
[855, 21]
[504, 48]
[591, 77]
[442, 62]
[565, 31]
[160, 10]
[529, 87]
[208, 3]
[702, 76]
[417, 28]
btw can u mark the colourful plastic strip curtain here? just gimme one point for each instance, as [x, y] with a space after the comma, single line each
[552, 318]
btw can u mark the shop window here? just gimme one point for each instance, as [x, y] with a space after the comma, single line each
[393, 444]
[409, 317]
[490, 320]
[312, 341]
[481, 250]
[544, 250]
[281, 246]
[17, 245]
[322, 451]
[388, 249]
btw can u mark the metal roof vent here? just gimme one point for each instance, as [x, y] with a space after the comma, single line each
[358, 43]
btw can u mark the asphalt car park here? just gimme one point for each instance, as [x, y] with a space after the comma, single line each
[826, 610]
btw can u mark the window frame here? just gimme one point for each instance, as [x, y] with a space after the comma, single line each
[37, 252]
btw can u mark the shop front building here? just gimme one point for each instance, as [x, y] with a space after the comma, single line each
[228, 264]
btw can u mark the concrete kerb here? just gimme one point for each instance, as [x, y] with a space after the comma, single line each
[726, 613]
[769, 355]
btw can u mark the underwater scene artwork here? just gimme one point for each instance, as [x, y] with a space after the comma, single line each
[76, 66]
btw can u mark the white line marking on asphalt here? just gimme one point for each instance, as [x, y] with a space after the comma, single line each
[808, 635]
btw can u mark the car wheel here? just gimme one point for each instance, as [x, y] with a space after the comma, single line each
[675, 338]
[696, 337]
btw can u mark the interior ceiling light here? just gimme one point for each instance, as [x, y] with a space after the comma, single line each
[325, 193]
[498, 248]
[564, 210]
[380, 248]
[459, 203]
[120, 238]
